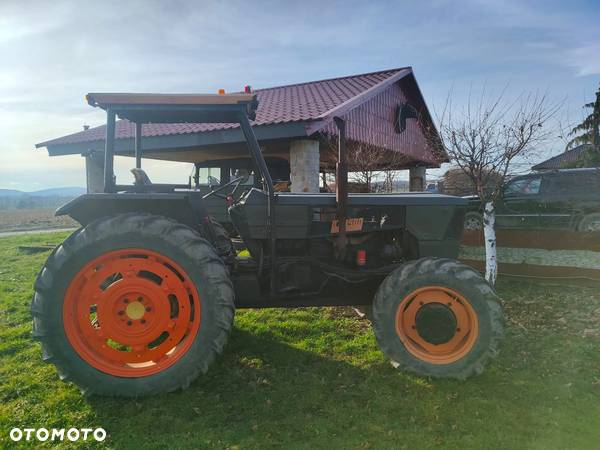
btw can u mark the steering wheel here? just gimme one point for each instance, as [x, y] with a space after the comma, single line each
[217, 192]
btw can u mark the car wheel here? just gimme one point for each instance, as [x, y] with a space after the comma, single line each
[473, 221]
[591, 222]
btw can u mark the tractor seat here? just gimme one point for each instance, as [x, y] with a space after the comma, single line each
[141, 177]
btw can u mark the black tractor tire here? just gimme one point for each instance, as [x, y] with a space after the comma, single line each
[222, 242]
[195, 255]
[419, 275]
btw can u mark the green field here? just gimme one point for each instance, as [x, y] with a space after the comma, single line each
[314, 378]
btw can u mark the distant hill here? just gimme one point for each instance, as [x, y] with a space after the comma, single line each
[59, 192]
[44, 198]
[50, 192]
[11, 193]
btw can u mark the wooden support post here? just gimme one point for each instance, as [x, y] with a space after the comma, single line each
[196, 175]
[341, 184]
[225, 175]
[138, 145]
[94, 172]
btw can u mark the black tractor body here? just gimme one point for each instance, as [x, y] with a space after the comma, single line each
[386, 229]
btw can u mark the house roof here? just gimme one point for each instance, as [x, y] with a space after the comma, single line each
[559, 161]
[316, 101]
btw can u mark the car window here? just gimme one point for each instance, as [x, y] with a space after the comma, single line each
[590, 182]
[557, 184]
[572, 183]
[527, 186]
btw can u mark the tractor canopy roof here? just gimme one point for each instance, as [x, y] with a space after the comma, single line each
[176, 108]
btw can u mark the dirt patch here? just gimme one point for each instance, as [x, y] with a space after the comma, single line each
[33, 219]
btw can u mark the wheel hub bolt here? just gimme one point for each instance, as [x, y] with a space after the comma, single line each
[143, 320]
[121, 313]
[148, 309]
[129, 322]
[126, 300]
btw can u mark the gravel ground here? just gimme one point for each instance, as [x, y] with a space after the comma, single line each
[583, 259]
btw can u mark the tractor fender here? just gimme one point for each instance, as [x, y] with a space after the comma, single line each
[186, 208]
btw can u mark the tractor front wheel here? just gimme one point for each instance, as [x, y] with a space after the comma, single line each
[132, 305]
[437, 317]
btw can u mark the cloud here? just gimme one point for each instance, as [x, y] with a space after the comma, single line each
[55, 52]
[586, 59]
[20, 20]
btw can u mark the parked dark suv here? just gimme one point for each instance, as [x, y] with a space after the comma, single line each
[567, 199]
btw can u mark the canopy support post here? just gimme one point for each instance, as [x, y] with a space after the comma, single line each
[109, 152]
[138, 145]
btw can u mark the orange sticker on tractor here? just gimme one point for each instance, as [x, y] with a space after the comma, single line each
[351, 225]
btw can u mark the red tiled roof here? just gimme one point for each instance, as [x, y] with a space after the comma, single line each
[559, 161]
[292, 103]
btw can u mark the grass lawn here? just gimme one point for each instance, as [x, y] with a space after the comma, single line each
[314, 378]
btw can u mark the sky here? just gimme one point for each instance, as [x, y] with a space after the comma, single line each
[53, 53]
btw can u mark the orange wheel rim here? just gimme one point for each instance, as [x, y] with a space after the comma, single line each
[131, 312]
[437, 324]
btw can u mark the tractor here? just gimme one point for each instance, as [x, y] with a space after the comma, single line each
[140, 300]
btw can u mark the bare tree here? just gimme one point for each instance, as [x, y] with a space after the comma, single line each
[367, 163]
[485, 139]
[389, 176]
[456, 182]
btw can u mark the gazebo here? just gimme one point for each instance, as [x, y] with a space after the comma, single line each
[384, 114]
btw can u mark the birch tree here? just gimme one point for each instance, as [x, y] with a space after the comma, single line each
[485, 138]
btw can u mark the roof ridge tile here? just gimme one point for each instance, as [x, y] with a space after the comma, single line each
[390, 71]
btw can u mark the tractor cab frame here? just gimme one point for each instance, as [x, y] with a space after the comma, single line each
[182, 108]
[141, 109]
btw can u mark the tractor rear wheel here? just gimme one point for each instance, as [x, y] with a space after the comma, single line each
[437, 317]
[132, 305]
